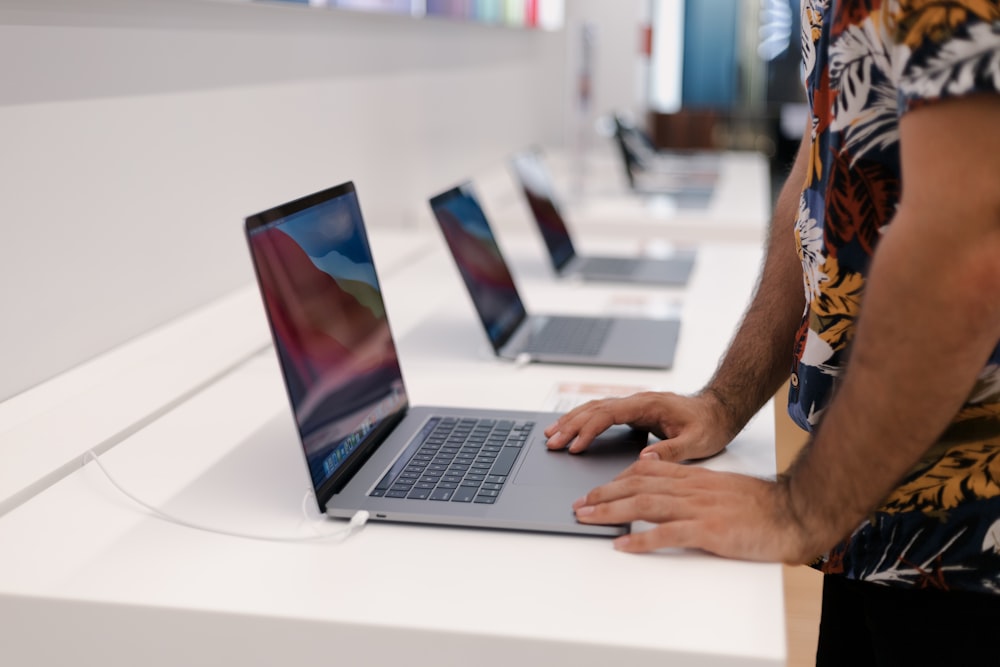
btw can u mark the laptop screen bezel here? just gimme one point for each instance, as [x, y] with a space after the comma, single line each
[534, 155]
[371, 442]
[629, 159]
[464, 190]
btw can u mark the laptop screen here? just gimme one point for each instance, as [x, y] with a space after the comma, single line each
[478, 257]
[537, 186]
[328, 321]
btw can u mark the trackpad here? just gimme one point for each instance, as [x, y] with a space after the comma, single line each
[608, 455]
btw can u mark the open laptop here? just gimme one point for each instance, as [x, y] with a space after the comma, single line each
[513, 333]
[365, 447]
[536, 183]
[689, 177]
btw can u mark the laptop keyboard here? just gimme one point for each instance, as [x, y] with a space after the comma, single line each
[457, 460]
[581, 336]
[611, 266]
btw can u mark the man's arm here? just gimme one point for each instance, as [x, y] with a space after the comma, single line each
[759, 358]
[929, 321]
[757, 362]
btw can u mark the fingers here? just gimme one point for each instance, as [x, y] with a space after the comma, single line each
[655, 492]
[688, 447]
[646, 490]
[570, 416]
[576, 429]
[649, 507]
[648, 467]
[677, 534]
[576, 439]
[687, 431]
[728, 514]
[676, 449]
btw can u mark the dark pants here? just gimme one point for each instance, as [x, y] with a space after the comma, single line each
[870, 624]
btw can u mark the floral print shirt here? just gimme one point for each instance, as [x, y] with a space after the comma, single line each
[867, 63]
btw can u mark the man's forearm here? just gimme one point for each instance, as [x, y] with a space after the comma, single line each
[759, 357]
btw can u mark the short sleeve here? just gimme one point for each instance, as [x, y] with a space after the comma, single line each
[945, 50]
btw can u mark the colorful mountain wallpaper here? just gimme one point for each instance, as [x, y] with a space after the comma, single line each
[330, 329]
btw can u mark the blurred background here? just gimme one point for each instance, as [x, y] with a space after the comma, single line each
[137, 134]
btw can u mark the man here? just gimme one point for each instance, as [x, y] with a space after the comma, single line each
[880, 300]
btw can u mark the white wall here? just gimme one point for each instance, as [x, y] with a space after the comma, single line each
[615, 83]
[135, 135]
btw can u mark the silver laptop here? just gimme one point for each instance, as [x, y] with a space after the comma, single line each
[536, 183]
[365, 447]
[687, 177]
[513, 333]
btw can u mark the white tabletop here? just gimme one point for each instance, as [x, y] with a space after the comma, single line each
[118, 587]
[595, 200]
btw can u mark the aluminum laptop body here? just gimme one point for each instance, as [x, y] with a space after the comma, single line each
[513, 333]
[689, 178]
[536, 184]
[356, 427]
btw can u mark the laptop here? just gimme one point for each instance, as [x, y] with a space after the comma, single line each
[536, 183]
[365, 446]
[687, 177]
[516, 335]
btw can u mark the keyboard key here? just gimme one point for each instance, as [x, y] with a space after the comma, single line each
[441, 494]
[505, 461]
[463, 494]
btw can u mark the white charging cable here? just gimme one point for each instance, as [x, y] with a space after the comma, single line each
[357, 521]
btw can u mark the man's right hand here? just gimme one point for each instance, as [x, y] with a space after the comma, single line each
[689, 427]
